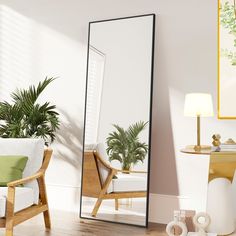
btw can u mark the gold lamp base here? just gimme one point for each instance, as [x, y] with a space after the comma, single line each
[198, 147]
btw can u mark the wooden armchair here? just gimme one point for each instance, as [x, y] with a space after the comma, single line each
[17, 206]
[97, 180]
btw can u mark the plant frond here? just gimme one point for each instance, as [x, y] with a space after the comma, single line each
[135, 129]
[31, 94]
[26, 118]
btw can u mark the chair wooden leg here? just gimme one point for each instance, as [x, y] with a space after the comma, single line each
[96, 207]
[10, 211]
[44, 201]
[117, 204]
[47, 219]
[103, 192]
[9, 232]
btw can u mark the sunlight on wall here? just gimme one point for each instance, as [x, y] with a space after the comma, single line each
[15, 51]
[190, 184]
[30, 51]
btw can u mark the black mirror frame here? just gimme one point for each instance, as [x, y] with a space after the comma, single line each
[150, 118]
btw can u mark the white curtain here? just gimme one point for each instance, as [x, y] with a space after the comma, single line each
[94, 92]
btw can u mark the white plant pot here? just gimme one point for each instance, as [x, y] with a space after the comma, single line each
[220, 206]
[234, 195]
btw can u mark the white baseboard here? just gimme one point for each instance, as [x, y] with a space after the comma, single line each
[161, 207]
[64, 198]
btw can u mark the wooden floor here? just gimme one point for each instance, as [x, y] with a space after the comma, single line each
[131, 212]
[68, 224]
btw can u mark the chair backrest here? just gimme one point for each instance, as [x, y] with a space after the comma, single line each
[33, 149]
[102, 152]
[92, 185]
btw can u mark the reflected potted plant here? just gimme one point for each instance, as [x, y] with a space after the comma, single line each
[125, 146]
[25, 118]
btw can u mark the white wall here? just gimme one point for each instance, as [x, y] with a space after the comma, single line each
[185, 61]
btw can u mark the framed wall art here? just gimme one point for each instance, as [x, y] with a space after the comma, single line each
[226, 59]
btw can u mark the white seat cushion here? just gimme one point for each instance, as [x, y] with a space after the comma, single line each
[129, 183]
[33, 149]
[24, 198]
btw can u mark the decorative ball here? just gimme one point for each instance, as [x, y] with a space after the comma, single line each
[216, 140]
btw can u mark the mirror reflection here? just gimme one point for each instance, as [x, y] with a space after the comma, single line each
[117, 120]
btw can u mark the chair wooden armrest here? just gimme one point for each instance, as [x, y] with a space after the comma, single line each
[14, 218]
[131, 171]
[26, 179]
[38, 174]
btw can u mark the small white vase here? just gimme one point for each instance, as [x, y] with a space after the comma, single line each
[174, 223]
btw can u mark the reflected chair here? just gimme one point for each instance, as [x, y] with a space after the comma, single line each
[102, 181]
[25, 198]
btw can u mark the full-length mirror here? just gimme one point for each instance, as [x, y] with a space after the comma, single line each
[118, 120]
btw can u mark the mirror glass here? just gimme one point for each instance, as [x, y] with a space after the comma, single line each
[117, 120]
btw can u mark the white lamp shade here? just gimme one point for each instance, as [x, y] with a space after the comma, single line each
[198, 104]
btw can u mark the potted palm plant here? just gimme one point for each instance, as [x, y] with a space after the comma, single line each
[125, 146]
[25, 118]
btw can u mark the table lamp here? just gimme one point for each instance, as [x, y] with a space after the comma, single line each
[198, 105]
